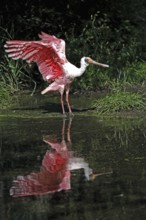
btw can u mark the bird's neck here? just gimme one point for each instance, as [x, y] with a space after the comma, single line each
[82, 68]
[71, 71]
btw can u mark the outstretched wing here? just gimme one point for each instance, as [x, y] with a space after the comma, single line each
[42, 52]
[56, 43]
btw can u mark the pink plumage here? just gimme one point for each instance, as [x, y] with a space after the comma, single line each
[44, 53]
[49, 54]
[52, 177]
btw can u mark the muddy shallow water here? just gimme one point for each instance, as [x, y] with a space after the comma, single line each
[84, 168]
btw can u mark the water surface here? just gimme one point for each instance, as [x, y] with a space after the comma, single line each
[87, 168]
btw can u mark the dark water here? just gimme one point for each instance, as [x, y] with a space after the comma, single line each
[86, 168]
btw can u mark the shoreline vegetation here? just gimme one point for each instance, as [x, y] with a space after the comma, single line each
[117, 39]
[102, 104]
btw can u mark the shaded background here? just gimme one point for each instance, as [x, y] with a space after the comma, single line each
[109, 31]
[57, 17]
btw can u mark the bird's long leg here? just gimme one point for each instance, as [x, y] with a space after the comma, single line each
[63, 129]
[68, 130]
[62, 104]
[67, 99]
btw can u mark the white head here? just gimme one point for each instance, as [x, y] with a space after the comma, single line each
[83, 62]
[87, 60]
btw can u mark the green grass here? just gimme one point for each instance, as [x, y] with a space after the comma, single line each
[120, 101]
[11, 73]
[5, 96]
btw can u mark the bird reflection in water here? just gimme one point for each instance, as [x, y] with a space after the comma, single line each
[55, 171]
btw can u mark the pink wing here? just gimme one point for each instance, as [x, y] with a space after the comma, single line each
[56, 43]
[49, 54]
[52, 177]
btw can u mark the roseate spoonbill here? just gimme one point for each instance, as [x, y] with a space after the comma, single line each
[49, 55]
[55, 171]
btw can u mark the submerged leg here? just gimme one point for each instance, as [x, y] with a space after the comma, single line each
[63, 129]
[68, 130]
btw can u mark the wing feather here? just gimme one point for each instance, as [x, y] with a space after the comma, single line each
[57, 43]
[48, 54]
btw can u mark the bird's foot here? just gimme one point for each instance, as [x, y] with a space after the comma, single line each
[69, 115]
[64, 115]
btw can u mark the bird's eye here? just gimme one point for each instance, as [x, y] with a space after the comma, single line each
[87, 60]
